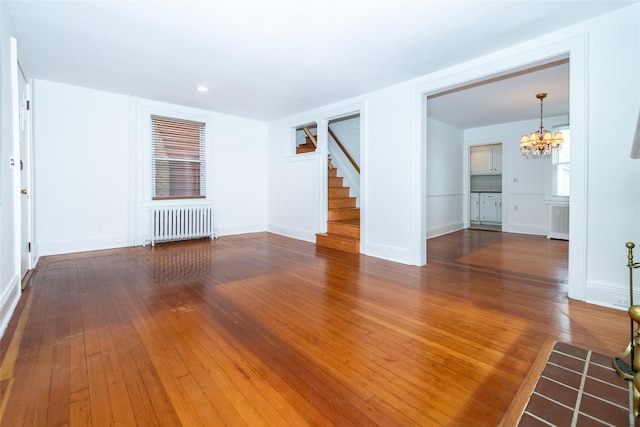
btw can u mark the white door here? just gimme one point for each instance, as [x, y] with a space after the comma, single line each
[25, 173]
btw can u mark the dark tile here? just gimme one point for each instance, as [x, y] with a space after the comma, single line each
[558, 392]
[601, 359]
[550, 411]
[569, 349]
[562, 375]
[607, 391]
[604, 411]
[568, 362]
[605, 374]
[528, 421]
[601, 386]
[585, 421]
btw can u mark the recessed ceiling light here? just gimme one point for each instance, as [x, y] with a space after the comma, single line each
[203, 89]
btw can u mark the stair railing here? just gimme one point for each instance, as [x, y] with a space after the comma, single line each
[311, 136]
[344, 150]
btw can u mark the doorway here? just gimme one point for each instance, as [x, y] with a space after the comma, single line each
[343, 185]
[26, 207]
[495, 66]
[485, 186]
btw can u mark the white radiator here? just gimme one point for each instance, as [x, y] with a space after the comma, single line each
[181, 222]
[558, 221]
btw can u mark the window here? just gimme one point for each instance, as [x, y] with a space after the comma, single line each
[177, 158]
[306, 138]
[562, 164]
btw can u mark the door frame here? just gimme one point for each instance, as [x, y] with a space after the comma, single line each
[25, 165]
[466, 185]
[505, 62]
[323, 121]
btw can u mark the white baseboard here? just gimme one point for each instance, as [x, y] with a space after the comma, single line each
[294, 233]
[444, 229]
[525, 229]
[82, 245]
[610, 295]
[389, 253]
[240, 229]
[8, 302]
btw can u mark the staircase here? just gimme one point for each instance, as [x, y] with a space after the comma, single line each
[307, 147]
[343, 225]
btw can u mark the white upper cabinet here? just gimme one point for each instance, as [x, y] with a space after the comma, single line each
[486, 160]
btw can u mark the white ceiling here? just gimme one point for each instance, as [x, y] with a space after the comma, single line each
[505, 99]
[273, 58]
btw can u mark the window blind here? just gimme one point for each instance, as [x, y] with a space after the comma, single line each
[178, 158]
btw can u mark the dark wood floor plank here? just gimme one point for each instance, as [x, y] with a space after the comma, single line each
[114, 368]
[38, 397]
[287, 362]
[212, 386]
[59, 395]
[169, 368]
[264, 330]
[323, 346]
[100, 399]
[79, 402]
[245, 373]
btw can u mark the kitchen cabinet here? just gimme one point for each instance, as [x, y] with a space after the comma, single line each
[474, 205]
[491, 208]
[486, 160]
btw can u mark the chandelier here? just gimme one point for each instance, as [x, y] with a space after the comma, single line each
[540, 143]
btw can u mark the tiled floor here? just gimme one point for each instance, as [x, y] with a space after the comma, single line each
[578, 388]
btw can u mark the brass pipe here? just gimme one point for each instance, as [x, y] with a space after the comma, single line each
[630, 246]
[624, 364]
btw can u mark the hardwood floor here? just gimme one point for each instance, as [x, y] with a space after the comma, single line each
[264, 330]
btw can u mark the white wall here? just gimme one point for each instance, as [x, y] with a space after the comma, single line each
[82, 161]
[92, 188]
[348, 132]
[9, 179]
[294, 182]
[524, 210]
[445, 178]
[605, 97]
[239, 174]
[613, 178]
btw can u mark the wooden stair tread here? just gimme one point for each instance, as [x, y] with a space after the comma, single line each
[338, 192]
[305, 149]
[349, 222]
[338, 242]
[335, 214]
[341, 202]
[344, 209]
[339, 237]
[343, 225]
